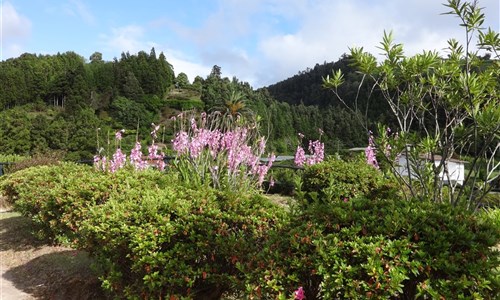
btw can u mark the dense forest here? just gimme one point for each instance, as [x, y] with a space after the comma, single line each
[69, 103]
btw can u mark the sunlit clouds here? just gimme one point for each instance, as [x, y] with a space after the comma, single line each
[260, 41]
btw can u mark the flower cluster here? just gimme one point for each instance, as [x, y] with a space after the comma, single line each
[316, 150]
[371, 158]
[299, 294]
[119, 159]
[228, 154]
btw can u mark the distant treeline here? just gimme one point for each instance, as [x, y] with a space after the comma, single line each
[69, 103]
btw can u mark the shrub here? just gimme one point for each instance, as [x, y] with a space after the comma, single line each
[57, 197]
[380, 249]
[184, 103]
[176, 242]
[338, 180]
[40, 159]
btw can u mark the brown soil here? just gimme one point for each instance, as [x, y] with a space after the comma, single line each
[41, 270]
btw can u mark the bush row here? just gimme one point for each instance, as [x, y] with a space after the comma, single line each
[381, 249]
[154, 237]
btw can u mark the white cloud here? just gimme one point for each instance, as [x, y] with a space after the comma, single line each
[15, 28]
[327, 29]
[78, 8]
[131, 39]
[125, 39]
[181, 64]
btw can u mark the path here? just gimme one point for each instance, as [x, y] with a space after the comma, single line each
[8, 291]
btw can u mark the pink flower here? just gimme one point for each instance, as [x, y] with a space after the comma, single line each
[118, 134]
[299, 294]
[181, 142]
[155, 130]
[193, 125]
[300, 156]
[118, 162]
[317, 150]
[136, 157]
[301, 136]
[371, 158]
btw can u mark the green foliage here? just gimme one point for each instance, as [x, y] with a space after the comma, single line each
[443, 107]
[57, 197]
[335, 180]
[182, 81]
[176, 242]
[12, 158]
[186, 104]
[130, 113]
[390, 248]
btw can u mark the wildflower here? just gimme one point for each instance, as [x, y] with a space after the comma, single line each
[118, 162]
[118, 134]
[317, 150]
[301, 136]
[300, 156]
[181, 142]
[155, 130]
[136, 157]
[371, 158]
[193, 125]
[299, 294]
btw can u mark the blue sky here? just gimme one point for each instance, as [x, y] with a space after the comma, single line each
[258, 41]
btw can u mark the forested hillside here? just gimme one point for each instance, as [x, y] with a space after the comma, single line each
[69, 103]
[307, 87]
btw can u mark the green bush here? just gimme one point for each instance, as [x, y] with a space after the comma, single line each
[335, 180]
[176, 242]
[380, 249]
[57, 197]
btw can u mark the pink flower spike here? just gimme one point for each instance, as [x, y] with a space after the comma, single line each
[300, 156]
[299, 294]
[118, 134]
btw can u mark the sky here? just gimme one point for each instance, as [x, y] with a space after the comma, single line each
[258, 41]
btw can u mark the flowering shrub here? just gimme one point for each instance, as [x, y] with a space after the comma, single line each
[227, 158]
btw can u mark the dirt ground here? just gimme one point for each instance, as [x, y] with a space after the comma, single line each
[32, 269]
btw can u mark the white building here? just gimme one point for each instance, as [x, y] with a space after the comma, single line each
[456, 168]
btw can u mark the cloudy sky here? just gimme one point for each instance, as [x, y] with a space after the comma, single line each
[258, 41]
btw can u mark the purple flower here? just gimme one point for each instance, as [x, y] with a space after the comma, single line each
[299, 294]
